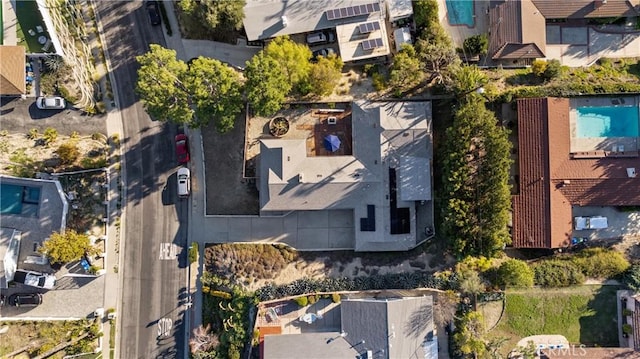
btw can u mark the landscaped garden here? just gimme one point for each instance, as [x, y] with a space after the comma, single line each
[583, 314]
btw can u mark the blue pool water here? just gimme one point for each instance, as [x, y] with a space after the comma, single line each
[460, 12]
[11, 198]
[607, 121]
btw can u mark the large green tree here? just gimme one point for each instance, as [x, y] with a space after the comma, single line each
[65, 247]
[406, 70]
[191, 94]
[476, 192]
[216, 14]
[325, 75]
[267, 85]
[293, 59]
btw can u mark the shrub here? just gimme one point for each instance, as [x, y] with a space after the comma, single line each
[476, 44]
[632, 277]
[627, 329]
[33, 134]
[312, 299]
[600, 263]
[553, 69]
[557, 273]
[538, 67]
[74, 135]
[627, 312]
[516, 273]
[50, 135]
[302, 301]
[335, 297]
[93, 163]
[193, 252]
[68, 152]
[378, 81]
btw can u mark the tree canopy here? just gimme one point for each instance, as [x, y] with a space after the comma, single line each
[216, 14]
[325, 75]
[406, 70]
[292, 58]
[67, 247]
[267, 85]
[191, 94]
[475, 174]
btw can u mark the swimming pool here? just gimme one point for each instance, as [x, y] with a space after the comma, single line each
[460, 12]
[11, 198]
[607, 121]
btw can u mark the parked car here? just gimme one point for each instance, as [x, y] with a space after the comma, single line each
[51, 103]
[184, 182]
[182, 148]
[321, 37]
[35, 279]
[153, 9]
[324, 52]
[596, 222]
[25, 299]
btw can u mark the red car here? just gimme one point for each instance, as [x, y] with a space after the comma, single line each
[182, 148]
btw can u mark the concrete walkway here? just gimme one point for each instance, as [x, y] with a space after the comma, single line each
[9, 23]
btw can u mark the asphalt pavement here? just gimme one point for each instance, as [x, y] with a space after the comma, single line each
[153, 253]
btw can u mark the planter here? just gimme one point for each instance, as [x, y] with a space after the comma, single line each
[279, 126]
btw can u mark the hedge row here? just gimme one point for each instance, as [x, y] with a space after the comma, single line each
[413, 280]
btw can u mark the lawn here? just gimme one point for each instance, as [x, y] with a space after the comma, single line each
[584, 315]
[29, 17]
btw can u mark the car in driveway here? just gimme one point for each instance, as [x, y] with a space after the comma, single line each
[153, 9]
[324, 52]
[321, 37]
[25, 299]
[35, 279]
[51, 103]
[182, 148]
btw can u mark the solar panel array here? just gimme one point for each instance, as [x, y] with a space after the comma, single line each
[368, 27]
[371, 44]
[351, 11]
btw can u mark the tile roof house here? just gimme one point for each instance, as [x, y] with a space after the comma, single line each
[518, 27]
[553, 177]
[12, 70]
[383, 180]
[370, 328]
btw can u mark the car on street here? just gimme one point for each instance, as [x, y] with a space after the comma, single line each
[182, 148]
[153, 9]
[35, 279]
[323, 52]
[51, 103]
[184, 182]
[25, 299]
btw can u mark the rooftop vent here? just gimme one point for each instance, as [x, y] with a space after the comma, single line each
[300, 178]
[285, 22]
[631, 172]
[332, 120]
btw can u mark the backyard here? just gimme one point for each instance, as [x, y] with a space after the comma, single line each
[583, 314]
[33, 29]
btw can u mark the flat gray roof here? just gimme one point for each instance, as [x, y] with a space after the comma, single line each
[308, 345]
[385, 135]
[263, 18]
[36, 224]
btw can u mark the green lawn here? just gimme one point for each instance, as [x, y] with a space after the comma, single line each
[29, 17]
[584, 315]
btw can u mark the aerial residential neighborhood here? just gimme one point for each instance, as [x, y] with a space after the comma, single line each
[373, 179]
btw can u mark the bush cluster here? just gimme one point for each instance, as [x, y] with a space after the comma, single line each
[557, 273]
[413, 280]
[600, 263]
[259, 261]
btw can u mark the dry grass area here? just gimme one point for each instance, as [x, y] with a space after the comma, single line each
[255, 265]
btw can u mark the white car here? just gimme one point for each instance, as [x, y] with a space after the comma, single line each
[35, 279]
[184, 182]
[51, 103]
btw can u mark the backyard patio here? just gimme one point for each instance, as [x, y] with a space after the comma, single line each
[31, 31]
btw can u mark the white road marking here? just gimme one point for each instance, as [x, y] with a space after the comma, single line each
[168, 251]
[164, 327]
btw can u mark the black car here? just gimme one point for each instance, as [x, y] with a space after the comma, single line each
[154, 12]
[25, 299]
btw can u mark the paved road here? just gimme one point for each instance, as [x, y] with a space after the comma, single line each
[154, 263]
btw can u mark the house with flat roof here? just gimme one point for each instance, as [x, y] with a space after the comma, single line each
[521, 30]
[573, 153]
[379, 171]
[360, 25]
[30, 210]
[369, 328]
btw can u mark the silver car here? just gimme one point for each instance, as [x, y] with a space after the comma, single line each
[51, 103]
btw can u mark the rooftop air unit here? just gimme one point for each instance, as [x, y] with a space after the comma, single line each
[332, 120]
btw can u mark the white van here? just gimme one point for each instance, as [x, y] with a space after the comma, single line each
[184, 182]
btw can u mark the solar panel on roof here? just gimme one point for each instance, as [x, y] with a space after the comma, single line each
[371, 44]
[350, 11]
[369, 27]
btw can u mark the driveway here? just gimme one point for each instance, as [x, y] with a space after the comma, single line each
[21, 115]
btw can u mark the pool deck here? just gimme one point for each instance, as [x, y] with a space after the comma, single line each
[602, 145]
[459, 33]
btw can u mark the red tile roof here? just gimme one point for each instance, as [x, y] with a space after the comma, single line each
[580, 9]
[511, 35]
[551, 181]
